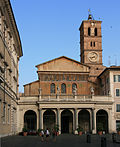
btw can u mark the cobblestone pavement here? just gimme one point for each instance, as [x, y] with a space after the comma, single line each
[64, 140]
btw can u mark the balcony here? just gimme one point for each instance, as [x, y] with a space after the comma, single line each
[75, 98]
[65, 98]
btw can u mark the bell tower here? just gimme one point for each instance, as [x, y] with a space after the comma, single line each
[91, 46]
[91, 42]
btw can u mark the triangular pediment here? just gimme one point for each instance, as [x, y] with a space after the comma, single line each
[63, 64]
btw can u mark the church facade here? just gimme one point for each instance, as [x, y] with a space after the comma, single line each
[71, 93]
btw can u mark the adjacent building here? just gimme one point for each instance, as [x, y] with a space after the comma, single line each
[110, 85]
[10, 52]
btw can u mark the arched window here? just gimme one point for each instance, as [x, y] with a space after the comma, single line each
[95, 31]
[88, 31]
[52, 88]
[63, 88]
[74, 88]
[91, 43]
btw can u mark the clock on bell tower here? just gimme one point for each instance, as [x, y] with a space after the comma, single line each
[91, 42]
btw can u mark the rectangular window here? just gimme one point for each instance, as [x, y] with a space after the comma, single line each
[117, 124]
[117, 92]
[4, 108]
[107, 80]
[118, 78]
[115, 78]
[8, 114]
[13, 116]
[118, 108]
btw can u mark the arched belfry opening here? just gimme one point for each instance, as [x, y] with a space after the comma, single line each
[66, 121]
[96, 32]
[30, 120]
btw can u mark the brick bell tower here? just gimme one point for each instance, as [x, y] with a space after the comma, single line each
[91, 46]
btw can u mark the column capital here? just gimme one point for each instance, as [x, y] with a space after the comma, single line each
[109, 108]
[39, 109]
[76, 110]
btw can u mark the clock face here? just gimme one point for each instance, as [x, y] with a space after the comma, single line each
[93, 56]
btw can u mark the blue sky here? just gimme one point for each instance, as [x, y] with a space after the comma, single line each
[50, 28]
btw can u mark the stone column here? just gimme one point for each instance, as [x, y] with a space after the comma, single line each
[73, 127]
[110, 121]
[59, 120]
[93, 121]
[76, 120]
[40, 119]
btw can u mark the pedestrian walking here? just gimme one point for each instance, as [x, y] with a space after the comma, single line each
[47, 134]
[42, 135]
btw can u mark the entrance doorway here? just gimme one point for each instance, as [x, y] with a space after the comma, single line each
[102, 120]
[49, 119]
[30, 120]
[66, 121]
[84, 120]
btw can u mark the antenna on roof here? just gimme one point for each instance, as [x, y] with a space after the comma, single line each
[115, 60]
[109, 60]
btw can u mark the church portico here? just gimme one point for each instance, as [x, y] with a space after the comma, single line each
[84, 120]
[30, 120]
[68, 113]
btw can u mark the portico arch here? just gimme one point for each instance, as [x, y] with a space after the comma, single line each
[102, 120]
[30, 120]
[49, 119]
[84, 120]
[66, 121]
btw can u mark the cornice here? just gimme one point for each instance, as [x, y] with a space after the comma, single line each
[7, 11]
